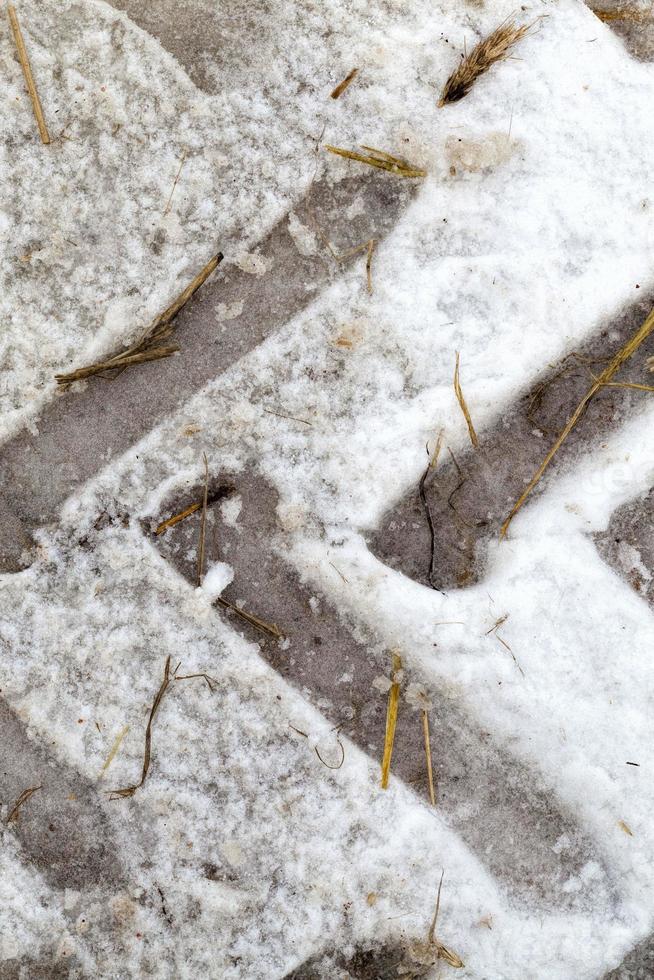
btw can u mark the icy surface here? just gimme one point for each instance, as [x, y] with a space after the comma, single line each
[243, 854]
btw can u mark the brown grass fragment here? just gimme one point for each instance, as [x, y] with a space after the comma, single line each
[341, 747]
[24, 796]
[379, 159]
[27, 73]
[614, 365]
[130, 790]
[148, 348]
[625, 828]
[442, 952]
[430, 771]
[176, 518]
[623, 13]
[391, 720]
[177, 176]
[114, 749]
[211, 682]
[203, 523]
[340, 88]
[484, 55]
[462, 403]
[269, 628]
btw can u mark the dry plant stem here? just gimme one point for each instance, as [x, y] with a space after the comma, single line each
[211, 682]
[379, 159]
[203, 524]
[484, 55]
[24, 796]
[430, 771]
[114, 749]
[130, 790]
[341, 747]
[147, 348]
[391, 722]
[442, 952]
[27, 72]
[462, 403]
[371, 249]
[606, 376]
[176, 518]
[425, 503]
[177, 176]
[269, 628]
[340, 88]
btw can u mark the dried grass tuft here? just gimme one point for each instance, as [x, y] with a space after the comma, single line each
[149, 347]
[494, 48]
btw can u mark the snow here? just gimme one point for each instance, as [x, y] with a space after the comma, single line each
[264, 855]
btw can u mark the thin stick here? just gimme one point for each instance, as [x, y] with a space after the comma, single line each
[462, 403]
[176, 518]
[203, 523]
[340, 88]
[607, 374]
[114, 749]
[130, 790]
[391, 721]
[430, 771]
[25, 795]
[27, 72]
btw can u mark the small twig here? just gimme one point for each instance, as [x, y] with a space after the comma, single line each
[260, 624]
[114, 749]
[27, 73]
[24, 796]
[607, 374]
[203, 523]
[425, 503]
[430, 771]
[176, 518]
[391, 720]
[340, 88]
[130, 790]
[462, 403]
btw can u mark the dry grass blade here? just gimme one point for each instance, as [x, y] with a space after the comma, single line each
[371, 249]
[24, 796]
[130, 790]
[114, 749]
[484, 55]
[379, 159]
[341, 747]
[391, 721]
[462, 403]
[269, 628]
[177, 176]
[27, 73]
[442, 952]
[430, 771]
[431, 465]
[203, 524]
[607, 374]
[176, 518]
[149, 346]
[340, 88]
[211, 682]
